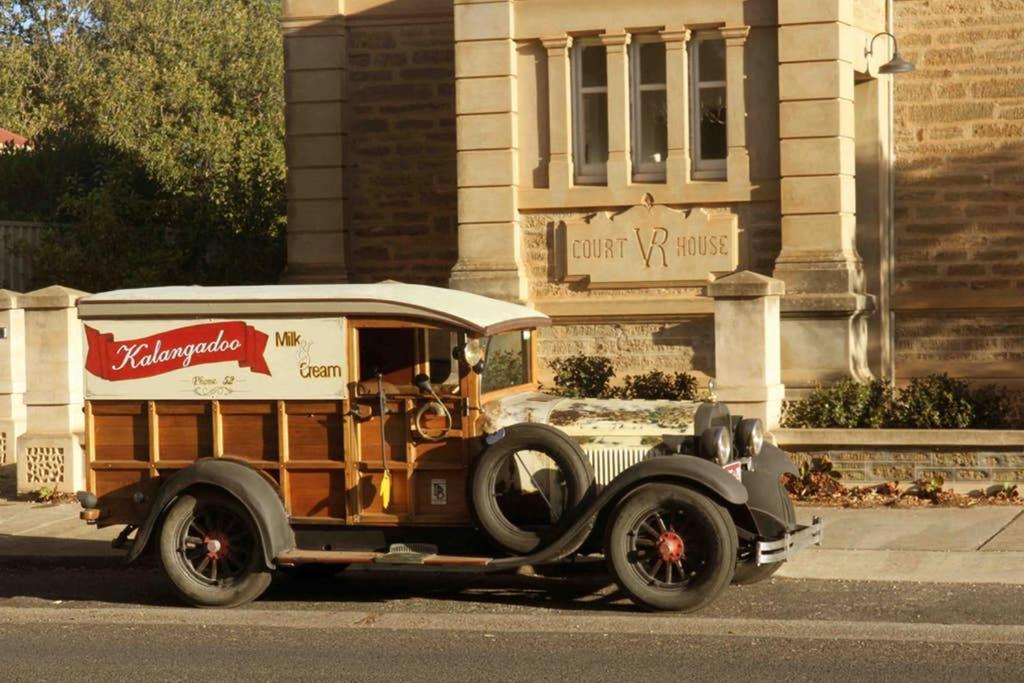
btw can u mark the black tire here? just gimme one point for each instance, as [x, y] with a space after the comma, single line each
[226, 573]
[572, 465]
[695, 536]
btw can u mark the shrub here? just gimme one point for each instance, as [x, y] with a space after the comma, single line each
[935, 402]
[656, 385]
[504, 369]
[582, 376]
[992, 407]
[845, 404]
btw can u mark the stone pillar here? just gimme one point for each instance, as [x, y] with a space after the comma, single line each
[12, 375]
[486, 108]
[824, 311]
[315, 61]
[747, 345]
[50, 452]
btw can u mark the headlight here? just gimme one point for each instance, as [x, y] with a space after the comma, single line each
[716, 445]
[750, 437]
[473, 353]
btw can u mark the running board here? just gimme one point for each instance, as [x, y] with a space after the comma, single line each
[294, 558]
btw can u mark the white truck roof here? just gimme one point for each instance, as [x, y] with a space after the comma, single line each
[479, 314]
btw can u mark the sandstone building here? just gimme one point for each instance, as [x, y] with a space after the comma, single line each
[605, 161]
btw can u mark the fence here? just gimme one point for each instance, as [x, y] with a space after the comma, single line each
[15, 269]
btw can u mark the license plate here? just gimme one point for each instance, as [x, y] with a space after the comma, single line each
[735, 469]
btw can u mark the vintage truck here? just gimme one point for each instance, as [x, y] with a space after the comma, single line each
[234, 431]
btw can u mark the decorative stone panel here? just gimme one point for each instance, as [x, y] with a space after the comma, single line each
[44, 465]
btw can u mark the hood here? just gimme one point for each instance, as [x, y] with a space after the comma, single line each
[592, 420]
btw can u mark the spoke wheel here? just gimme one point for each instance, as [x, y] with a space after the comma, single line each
[671, 548]
[211, 552]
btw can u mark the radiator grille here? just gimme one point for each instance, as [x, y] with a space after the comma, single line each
[608, 462]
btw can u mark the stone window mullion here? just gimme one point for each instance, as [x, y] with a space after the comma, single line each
[677, 167]
[738, 159]
[619, 156]
[560, 163]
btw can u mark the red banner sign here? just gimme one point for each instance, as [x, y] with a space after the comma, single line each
[175, 349]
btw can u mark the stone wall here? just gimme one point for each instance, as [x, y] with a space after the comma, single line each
[677, 340]
[967, 458]
[401, 162]
[959, 217]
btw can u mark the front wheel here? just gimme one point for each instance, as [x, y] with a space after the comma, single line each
[210, 550]
[671, 548]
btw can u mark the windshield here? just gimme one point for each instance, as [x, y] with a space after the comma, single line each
[508, 362]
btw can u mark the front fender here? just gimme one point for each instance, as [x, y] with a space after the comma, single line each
[238, 480]
[685, 469]
[768, 502]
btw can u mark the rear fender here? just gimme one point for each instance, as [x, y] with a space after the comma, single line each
[237, 479]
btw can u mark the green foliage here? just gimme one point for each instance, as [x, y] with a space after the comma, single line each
[933, 402]
[992, 407]
[504, 369]
[656, 385]
[158, 133]
[582, 376]
[845, 404]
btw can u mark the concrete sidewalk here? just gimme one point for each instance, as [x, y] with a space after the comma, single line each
[945, 545]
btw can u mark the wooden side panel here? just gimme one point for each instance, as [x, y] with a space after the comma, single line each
[121, 432]
[440, 496]
[249, 430]
[185, 430]
[315, 432]
[318, 493]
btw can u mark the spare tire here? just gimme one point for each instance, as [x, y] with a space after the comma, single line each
[510, 510]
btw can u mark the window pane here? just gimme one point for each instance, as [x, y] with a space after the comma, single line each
[712, 123]
[594, 66]
[712, 60]
[654, 127]
[508, 361]
[595, 128]
[652, 63]
[444, 370]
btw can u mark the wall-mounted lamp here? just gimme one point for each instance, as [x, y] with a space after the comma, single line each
[896, 65]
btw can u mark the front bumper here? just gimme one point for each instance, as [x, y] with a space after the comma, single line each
[790, 544]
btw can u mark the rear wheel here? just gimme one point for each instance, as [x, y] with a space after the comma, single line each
[671, 548]
[210, 550]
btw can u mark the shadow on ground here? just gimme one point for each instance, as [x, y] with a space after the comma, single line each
[105, 579]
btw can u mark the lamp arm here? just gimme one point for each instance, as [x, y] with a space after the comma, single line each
[871, 46]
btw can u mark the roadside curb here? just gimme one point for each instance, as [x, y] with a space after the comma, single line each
[926, 566]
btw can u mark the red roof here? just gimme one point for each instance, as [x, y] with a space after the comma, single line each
[7, 136]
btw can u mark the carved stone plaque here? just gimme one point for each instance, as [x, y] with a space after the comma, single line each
[651, 246]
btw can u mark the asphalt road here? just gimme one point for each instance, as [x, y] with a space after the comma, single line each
[100, 623]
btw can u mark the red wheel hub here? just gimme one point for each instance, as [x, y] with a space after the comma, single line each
[671, 546]
[217, 545]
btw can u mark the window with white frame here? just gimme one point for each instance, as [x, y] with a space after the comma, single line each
[649, 107]
[709, 144]
[590, 112]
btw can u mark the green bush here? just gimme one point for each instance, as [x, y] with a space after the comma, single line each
[933, 402]
[992, 407]
[845, 404]
[582, 376]
[504, 369]
[656, 385]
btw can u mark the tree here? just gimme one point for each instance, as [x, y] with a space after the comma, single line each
[158, 129]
